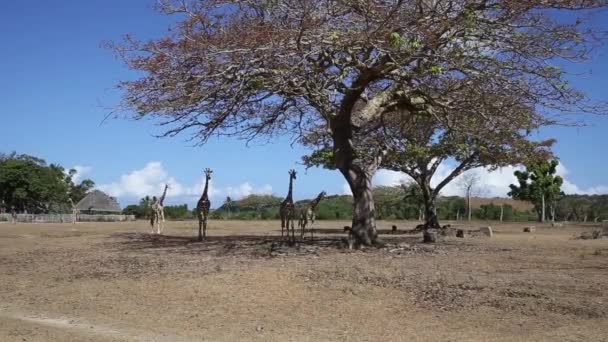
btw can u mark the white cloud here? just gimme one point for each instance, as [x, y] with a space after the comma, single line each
[390, 178]
[140, 183]
[81, 172]
[150, 180]
[570, 188]
[491, 183]
[346, 189]
[245, 190]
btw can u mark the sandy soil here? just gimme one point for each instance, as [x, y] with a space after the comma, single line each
[116, 282]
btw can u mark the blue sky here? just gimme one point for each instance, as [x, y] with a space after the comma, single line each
[57, 85]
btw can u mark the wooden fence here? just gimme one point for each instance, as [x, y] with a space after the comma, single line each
[66, 218]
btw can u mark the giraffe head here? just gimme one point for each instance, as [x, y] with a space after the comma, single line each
[322, 194]
[292, 173]
[208, 173]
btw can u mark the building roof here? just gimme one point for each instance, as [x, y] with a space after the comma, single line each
[98, 201]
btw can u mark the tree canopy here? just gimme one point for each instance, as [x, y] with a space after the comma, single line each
[29, 184]
[540, 185]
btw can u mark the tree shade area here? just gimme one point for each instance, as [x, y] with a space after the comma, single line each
[29, 184]
[475, 77]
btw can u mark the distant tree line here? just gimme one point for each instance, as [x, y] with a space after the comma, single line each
[582, 208]
[403, 202]
[143, 210]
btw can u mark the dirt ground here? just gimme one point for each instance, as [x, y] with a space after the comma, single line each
[116, 282]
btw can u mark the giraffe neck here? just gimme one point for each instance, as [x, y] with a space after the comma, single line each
[162, 197]
[206, 188]
[315, 202]
[290, 192]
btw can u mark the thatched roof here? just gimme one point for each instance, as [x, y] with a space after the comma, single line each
[98, 201]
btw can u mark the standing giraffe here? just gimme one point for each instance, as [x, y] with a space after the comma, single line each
[13, 215]
[158, 212]
[202, 208]
[74, 211]
[308, 214]
[287, 210]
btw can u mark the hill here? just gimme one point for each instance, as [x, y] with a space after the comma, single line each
[477, 202]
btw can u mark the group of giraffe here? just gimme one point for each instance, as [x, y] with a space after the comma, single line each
[202, 208]
[287, 210]
[306, 214]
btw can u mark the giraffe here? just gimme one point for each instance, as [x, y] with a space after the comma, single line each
[202, 208]
[13, 215]
[287, 208]
[158, 214]
[74, 211]
[151, 204]
[308, 215]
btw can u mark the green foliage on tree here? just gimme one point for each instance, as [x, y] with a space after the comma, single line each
[582, 208]
[539, 185]
[178, 212]
[336, 207]
[78, 191]
[30, 184]
[142, 210]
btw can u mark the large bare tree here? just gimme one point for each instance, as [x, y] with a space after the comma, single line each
[257, 68]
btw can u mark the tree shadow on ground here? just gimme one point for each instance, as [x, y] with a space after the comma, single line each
[238, 245]
[382, 232]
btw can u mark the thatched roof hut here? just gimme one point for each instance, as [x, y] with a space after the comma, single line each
[98, 201]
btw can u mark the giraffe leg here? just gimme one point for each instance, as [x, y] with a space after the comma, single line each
[200, 227]
[301, 225]
[157, 224]
[293, 229]
[162, 219]
[312, 222]
[205, 227]
[283, 226]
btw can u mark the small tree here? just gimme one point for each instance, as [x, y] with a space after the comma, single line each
[540, 185]
[414, 198]
[78, 191]
[228, 204]
[468, 182]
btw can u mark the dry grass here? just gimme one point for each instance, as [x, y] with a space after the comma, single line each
[115, 282]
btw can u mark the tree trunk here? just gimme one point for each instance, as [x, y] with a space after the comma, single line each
[543, 216]
[458, 215]
[502, 211]
[469, 204]
[359, 177]
[430, 210]
[364, 221]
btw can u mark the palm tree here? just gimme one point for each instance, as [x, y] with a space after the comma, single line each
[228, 203]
